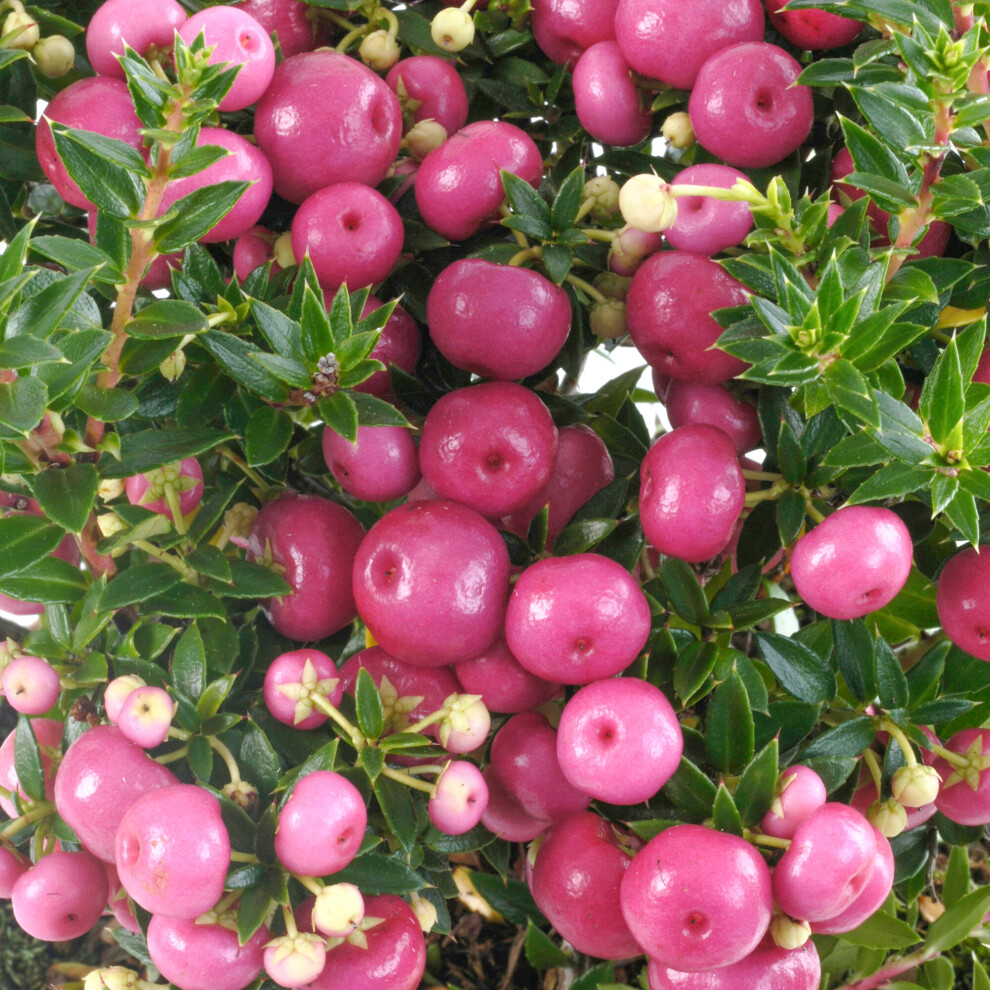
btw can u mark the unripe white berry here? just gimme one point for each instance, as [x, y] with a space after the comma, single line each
[54, 56]
[608, 319]
[379, 51]
[424, 137]
[282, 250]
[915, 786]
[452, 29]
[788, 933]
[678, 131]
[25, 25]
[889, 817]
[338, 910]
[646, 203]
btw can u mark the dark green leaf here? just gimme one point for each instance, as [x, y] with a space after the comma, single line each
[213, 696]
[251, 580]
[397, 806]
[258, 759]
[340, 413]
[189, 218]
[725, 814]
[692, 669]
[755, 790]
[186, 602]
[684, 590]
[956, 924]
[568, 200]
[541, 951]
[892, 686]
[851, 392]
[210, 561]
[528, 206]
[138, 584]
[893, 481]
[74, 254]
[376, 412]
[25, 540]
[239, 359]
[107, 171]
[848, 739]
[151, 449]
[368, 703]
[377, 873]
[268, 434]
[67, 494]
[252, 909]
[943, 397]
[581, 536]
[800, 671]
[691, 790]
[22, 403]
[854, 656]
[189, 664]
[49, 581]
[511, 898]
[27, 760]
[167, 318]
[729, 726]
[109, 405]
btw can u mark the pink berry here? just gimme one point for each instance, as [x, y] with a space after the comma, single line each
[314, 542]
[48, 733]
[576, 619]
[564, 29]
[812, 29]
[745, 107]
[964, 796]
[399, 343]
[799, 792]
[141, 24]
[431, 581]
[146, 716]
[707, 225]
[290, 681]
[458, 186]
[609, 105]
[237, 39]
[963, 599]
[504, 684]
[630, 249]
[295, 960]
[853, 563]
[619, 740]
[691, 34]
[352, 234]
[321, 826]
[429, 88]
[696, 899]
[296, 29]
[576, 880]
[197, 956]
[495, 320]
[12, 865]
[688, 402]
[253, 249]
[118, 901]
[669, 310]
[312, 141]
[382, 465]
[116, 693]
[30, 685]
[691, 493]
[827, 865]
[183, 478]
[504, 816]
[459, 798]
[61, 897]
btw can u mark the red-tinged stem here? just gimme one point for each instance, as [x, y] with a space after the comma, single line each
[98, 563]
[888, 973]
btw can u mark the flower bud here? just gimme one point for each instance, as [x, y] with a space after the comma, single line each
[109, 489]
[110, 523]
[424, 137]
[888, 817]
[678, 131]
[54, 56]
[466, 724]
[238, 521]
[282, 250]
[172, 367]
[379, 51]
[338, 910]
[646, 203]
[608, 319]
[605, 192]
[111, 978]
[243, 794]
[613, 286]
[25, 25]
[293, 960]
[425, 911]
[452, 29]
[788, 933]
[915, 786]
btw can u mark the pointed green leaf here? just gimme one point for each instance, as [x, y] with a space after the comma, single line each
[376, 412]
[943, 397]
[956, 924]
[27, 760]
[138, 584]
[189, 218]
[684, 590]
[26, 540]
[268, 434]
[148, 449]
[108, 171]
[528, 206]
[189, 663]
[368, 704]
[725, 814]
[340, 413]
[729, 726]
[801, 672]
[167, 318]
[67, 494]
[49, 581]
[41, 313]
[754, 792]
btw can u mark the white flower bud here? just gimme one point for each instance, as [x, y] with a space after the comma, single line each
[452, 29]
[915, 786]
[678, 131]
[788, 933]
[25, 25]
[889, 817]
[54, 56]
[379, 51]
[424, 137]
[646, 203]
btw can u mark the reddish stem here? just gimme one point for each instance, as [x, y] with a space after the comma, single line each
[896, 968]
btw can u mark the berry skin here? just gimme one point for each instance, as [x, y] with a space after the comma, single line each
[609, 105]
[459, 798]
[61, 897]
[146, 716]
[504, 816]
[504, 684]
[12, 865]
[288, 19]
[799, 792]
[142, 24]
[117, 691]
[30, 685]
[429, 88]
[715, 405]
[382, 465]
[814, 30]
[707, 225]
[696, 899]
[399, 343]
[872, 897]
[853, 563]
[965, 793]
[564, 29]
[962, 595]
[289, 682]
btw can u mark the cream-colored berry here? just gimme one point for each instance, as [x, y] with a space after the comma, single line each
[608, 319]
[282, 250]
[452, 29]
[379, 51]
[54, 56]
[338, 910]
[788, 933]
[678, 131]
[647, 204]
[915, 786]
[425, 137]
[23, 28]
[889, 817]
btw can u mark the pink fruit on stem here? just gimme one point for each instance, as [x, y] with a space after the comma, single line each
[429, 88]
[504, 816]
[768, 965]
[291, 21]
[117, 691]
[707, 225]
[619, 740]
[669, 310]
[963, 598]
[688, 402]
[576, 619]
[313, 541]
[253, 249]
[504, 684]
[812, 29]
[48, 733]
[564, 29]
[524, 758]
[491, 447]
[61, 897]
[609, 105]
[12, 865]
[630, 249]
[146, 716]
[691, 33]
[237, 39]
[459, 798]
[382, 465]
[101, 775]
[853, 563]
[147, 26]
[30, 685]
[696, 899]
[827, 865]
[196, 956]
[399, 343]
[97, 104]
[312, 141]
[321, 826]
[352, 234]
[576, 880]
[691, 493]
[458, 185]
[799, 792]
[964, 796]
[290, 682]
[745, 107]
[159, 489]
[172, 851]
[431, 581]
[120, 905]
[497, 321]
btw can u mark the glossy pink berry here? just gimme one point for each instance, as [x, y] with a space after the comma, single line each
[61, 897]
[619, 740]
[564, 28]
[30, 685]
[812, 29]
[963, 599]
[146, 716]
[609, 104]
[321, 826]
[291, 21]
[459, 798]
[853, 563]
[689, 402]
[383, 464]
[706, 225]
[504, 816]
[117, 691]
[696, 899]
[429, 88]
[399, 343]
[799, 792]
[504, 684]
[155, 490]
[293, 680]
[964, 795]
[144, 25]
[12, 865]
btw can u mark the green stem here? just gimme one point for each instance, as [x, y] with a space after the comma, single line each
[351, 37]
[762, 475]
[44, 810]
[249, 471]
[956, 760]
[524, 255]
[166, 558]
[228, 758]
[408, 780]
[517, 234]
[312, 884]
[771, 841]
[902, 740]
[810, 509]
[172, 757]
[765, 494]
[242, 857]
[586, 287]
[592, 233]
[870, 759]
[357, 739]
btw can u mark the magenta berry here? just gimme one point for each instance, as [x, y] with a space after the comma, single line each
[172, 851]
[688, 402]
[12, 865]
[459, 798]
[237, 39]
[312, 542]
[812, 29]
[399, 343]
[293, 680]
[504, 684]
[707, 225]
[691, 492]
[963, 599]
[431, 581]
[61, 897]
[289, 20]
[495, 320]
[619, 740]
[253, 249]
[161, 489]
[504, 816]
[799, 792]
[30, 685]
[964, 795]
[382, 465]
[146, 716]
[491, 447]
[609, 105]
[564, 29]
[690, 914]
[147, 26]
[321, 826]
[853, 563]
[429, 88]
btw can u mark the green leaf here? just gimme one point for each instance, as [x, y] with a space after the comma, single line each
[568, 200]
[22, 403]
[755, 790]
[239, 359]
[898, 125]
[511, 898]
[692, 669]
[528, 207]
[268, 434]
[189, 664]
[213, 696]
[943, 397]
[729, 726]
[854, 656]
[691, 790]
[138, 584]
[801, 672]
[149, 449]
[42, 312]
[581, 536]
[50, 581]
[955, 884]
[251, 580]
[186, 602]
[848, 739]
[252, 909]
[883, 931]
[107, 171]
[956, 924]
[258, 759]
[378, 873]
[376, 412]
[892, 685]
[189, 218]
[541, 951]
[283, 334]
[368, 703]
[851, 392]
[725, 814]
[684, 590]
[74, 254]
[893, 481]
[340, 413]
[67, 494]
[167, 318]
[109, 405]
[27, 760]
[397, 806]
[26, 540]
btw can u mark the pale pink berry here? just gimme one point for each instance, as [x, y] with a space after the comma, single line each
[117, 691]
[146, 716]
[870, 899]
[295, 960]
[293, 680]
[504, 816]
[338, 910]
[61, 897]
[965, 793]
[465, 726]
[963, 599]
[799, 792]
[144, 25]
[30, 685]
[48, 733]
[459, 798]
